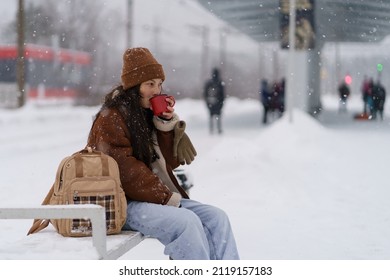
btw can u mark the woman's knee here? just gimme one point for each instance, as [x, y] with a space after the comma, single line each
[217, 218]
[187, 220]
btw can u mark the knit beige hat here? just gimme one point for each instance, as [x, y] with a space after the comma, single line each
[139, 66]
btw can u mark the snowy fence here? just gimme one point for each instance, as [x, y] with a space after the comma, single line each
[93, 212]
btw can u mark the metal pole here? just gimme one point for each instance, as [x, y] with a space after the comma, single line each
[205, 54]
[203, 31]
[276, 64]
[156, 37]
[129, 20]
[291, 64]
[261, 72]
[337, 65]
[20, 64]
[222, 49]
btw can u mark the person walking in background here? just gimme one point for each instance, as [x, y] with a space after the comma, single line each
[366, 92]
[277, 97]
[265, 98]
[272, 98]
[378, 100]
[214, 95]
[147, 147]
[344, 92]
[282, 93]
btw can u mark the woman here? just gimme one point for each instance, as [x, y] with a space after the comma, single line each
[147, 148]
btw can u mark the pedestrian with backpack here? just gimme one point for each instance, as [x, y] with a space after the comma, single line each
[214, 95]
[265, 98]
[147, 146]
[344, 93]
[378, 100]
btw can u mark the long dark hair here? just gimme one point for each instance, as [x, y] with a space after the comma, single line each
[139, 121]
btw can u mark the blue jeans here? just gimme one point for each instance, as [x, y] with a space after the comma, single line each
[195, 231]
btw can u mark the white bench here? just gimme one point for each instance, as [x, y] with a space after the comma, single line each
[106, 247]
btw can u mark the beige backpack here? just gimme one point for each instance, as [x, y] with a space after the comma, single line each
[86, 177]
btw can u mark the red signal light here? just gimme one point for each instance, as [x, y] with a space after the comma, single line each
[348, 79]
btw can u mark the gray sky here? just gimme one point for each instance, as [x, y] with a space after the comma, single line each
[7, 10]
[174, 18]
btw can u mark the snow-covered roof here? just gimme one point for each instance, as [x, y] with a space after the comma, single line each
[334, 20]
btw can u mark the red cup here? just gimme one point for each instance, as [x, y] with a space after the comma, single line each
[159, 103]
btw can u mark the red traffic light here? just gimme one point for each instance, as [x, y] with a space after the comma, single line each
[348, 79]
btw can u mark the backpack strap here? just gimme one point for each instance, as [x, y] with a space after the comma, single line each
[40, 224]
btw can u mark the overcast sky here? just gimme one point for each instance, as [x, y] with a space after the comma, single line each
[7, 10]
[173, 17]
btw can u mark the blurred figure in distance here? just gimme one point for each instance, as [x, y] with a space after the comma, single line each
[214, 95]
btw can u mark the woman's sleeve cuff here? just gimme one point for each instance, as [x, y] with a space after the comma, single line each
[165, 125]
[174, 200]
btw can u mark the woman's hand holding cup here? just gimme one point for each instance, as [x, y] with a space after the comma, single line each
[162, 105]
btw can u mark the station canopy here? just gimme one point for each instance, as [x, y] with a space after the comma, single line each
[334, 20]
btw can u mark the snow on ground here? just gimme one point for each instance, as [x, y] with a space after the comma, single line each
[306, 189]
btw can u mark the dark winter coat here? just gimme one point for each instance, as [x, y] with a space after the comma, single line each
[214, 94]
[378, 97]
[265, 95]
[110, 135]
[344, 91]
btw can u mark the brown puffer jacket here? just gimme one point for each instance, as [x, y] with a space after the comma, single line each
[109, 134]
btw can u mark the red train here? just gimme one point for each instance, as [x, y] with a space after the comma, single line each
[52, 75]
